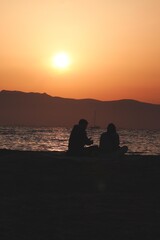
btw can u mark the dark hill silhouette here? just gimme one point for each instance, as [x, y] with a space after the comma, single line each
[35, 109]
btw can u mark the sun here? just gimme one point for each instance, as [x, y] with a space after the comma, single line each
[61, 60]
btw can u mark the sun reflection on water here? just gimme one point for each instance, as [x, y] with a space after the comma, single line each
[144, 142]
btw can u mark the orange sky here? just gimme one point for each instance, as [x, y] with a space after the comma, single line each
[114, 47]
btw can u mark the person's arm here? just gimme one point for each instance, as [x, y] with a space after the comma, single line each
[88, 141]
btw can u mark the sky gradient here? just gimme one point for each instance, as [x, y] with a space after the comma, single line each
[113, 45]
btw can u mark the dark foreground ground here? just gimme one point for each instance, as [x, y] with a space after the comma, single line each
[46, 196]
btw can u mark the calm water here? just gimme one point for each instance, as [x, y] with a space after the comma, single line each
[144, 142]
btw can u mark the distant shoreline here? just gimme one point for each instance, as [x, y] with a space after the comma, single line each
[36, 109]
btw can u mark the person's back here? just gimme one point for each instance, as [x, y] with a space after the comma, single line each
[109, 142]
[77, 139]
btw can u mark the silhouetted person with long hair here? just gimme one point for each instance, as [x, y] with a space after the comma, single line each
[78, 140]
[109, 142]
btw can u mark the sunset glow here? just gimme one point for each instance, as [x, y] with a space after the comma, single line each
[61, 61]
[106, 50]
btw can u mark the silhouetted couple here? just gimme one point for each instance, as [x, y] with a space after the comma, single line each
[109, 141]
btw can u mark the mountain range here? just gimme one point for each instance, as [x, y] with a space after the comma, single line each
[37, 109]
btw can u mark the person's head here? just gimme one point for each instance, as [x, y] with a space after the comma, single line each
[111, 128]
[83, 123]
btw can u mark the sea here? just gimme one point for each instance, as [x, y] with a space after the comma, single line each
[144, 142]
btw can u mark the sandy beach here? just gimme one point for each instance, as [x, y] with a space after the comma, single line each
[47, 195]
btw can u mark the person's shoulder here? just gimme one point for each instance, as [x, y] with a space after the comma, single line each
[104, 134]
[75, 126]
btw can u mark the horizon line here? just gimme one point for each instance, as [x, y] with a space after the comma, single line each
[93, 99]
